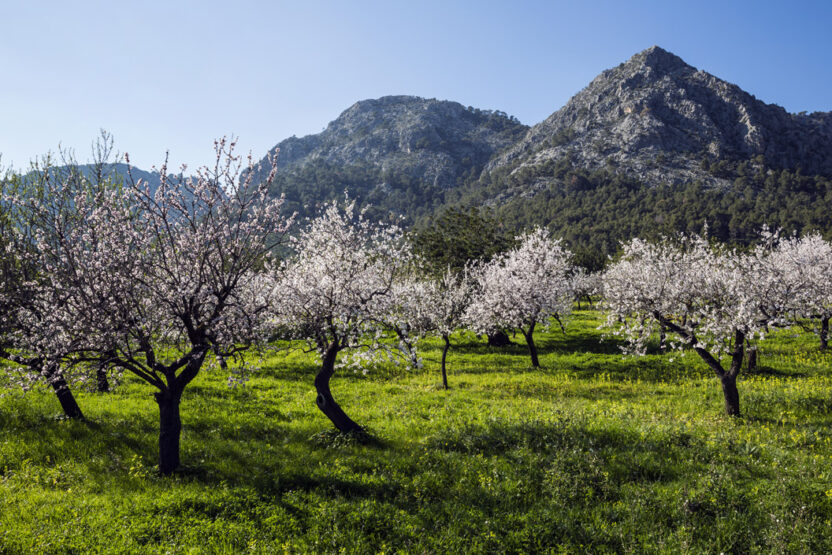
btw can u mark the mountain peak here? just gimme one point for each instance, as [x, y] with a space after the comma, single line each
[390, 100]
[658, 59]
[656, 106]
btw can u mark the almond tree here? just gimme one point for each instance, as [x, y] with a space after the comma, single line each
[525, 287]
[585, 285]
[25, 305]
[153, 282]
[407, 313]
[711, 300]
[433, 305]
[451, 296]
[336, 293]
[807, 265]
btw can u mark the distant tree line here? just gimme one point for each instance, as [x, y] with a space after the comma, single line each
[594, 211]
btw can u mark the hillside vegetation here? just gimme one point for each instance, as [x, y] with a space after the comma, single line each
[595, 211]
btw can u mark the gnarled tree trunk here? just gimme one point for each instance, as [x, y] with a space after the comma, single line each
[732, 396]
[728, 378]
[168, 398]
[326, 403]
[824, 333]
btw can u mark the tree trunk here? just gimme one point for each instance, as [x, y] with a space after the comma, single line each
[732, 396]
[498, 339]
[729, 378]
[444, 354]
[102, 384]
[752, 359]
[532, 349]
[824, 333]
[407, 342]
[662, 337]
[65, 397]
[170, 428]
[326, 403]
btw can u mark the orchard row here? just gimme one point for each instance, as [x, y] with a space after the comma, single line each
[98, 277]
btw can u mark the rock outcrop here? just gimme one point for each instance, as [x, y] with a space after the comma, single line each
[656, 118]
[433, 144]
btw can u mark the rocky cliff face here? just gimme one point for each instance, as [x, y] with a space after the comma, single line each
[435, 143]
[655, 118]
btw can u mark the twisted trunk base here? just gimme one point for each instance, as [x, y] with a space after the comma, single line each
[326, 403]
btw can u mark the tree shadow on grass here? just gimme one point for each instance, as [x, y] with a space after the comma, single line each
[553, 344]
[626, 455]
[584, 366]
[671, 453]
[99, 443]
[816, 409]
[764, 370]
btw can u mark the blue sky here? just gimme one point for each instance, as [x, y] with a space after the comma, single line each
[174, 75]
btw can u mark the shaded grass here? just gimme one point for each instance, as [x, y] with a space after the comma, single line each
[593, 452]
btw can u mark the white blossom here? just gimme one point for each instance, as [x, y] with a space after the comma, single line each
[522, 288]
[336, 293]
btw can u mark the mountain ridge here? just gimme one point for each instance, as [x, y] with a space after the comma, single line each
[655, 103]
[651, 146]
[389, 150]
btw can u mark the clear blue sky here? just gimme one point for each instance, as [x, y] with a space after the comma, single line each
[174, 75]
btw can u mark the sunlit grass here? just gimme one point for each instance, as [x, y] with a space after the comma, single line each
[592, 452]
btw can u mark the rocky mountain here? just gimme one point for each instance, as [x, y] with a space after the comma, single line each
[398, 153]
[661, 121]
[653, 146]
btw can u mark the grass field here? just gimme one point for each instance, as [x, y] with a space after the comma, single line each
[593, 452]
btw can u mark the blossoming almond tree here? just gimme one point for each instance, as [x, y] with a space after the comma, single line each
[406, 314]
[807, 265]
[585, 285]
[336, 292]
[712, 301]
[446, 305]
[154, 281]
[432, 305]
[523, 288]
[25, 305]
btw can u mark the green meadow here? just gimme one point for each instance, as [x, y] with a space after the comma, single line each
[593, 452]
